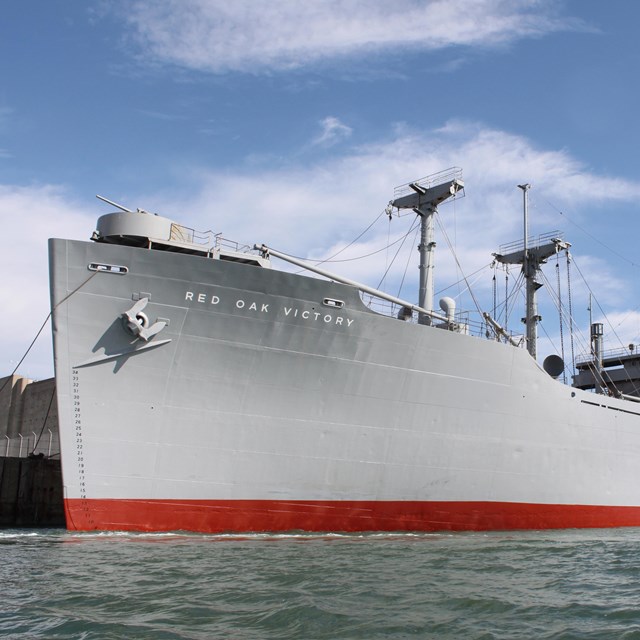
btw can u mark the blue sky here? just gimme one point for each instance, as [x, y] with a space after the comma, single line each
[290, 123]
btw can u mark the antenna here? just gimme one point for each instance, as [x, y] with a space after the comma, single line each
[115, 204]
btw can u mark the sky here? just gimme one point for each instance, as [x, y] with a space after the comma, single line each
[291, 124]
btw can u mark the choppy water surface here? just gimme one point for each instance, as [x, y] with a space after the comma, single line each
[571, 584]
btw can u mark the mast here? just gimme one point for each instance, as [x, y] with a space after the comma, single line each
[597, 333]
[529, 270]
[427, 194]
[531, 254]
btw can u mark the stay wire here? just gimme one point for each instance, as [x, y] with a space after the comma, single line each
[366, 255]
[384, 275]
[561, 307]
[337, 253]
[586, 345]
[460, 269]
[571, 323]
[602, 244]
[26, 353]
[44, 324]
[516, 290]
[455, 284]
[604, 315]
[564, 315]
[406, 266]
[506, 296]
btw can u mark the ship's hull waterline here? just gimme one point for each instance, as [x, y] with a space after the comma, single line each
[270, 401]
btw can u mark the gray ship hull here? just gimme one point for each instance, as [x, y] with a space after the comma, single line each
[273, 401]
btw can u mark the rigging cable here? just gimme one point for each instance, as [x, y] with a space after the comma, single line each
[604, 315]
[575, 224]
[406, 266]
[506, 296]
[556, 302]
[455, 284]
[573, 356]
[495, 291]
[566, 318]
[386, 258]
[366, 255]
[26, 353]
[44, 324]
[384, 275]
[337, 253]
[461, 271]
[564, 375]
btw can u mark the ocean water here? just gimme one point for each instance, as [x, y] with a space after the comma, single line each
[534, 585]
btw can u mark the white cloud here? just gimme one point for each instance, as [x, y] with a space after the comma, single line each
[333, 131]
[31, 215]
[220, 36]
[622, 327]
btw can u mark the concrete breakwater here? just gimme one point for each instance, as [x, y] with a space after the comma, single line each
[30, 474]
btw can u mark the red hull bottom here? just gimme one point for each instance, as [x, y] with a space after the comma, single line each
[227, 516]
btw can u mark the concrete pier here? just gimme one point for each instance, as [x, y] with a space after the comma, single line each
[30, 474]
[30, 493]
[28, 418]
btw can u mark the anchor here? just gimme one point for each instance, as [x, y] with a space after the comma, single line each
[137, 323]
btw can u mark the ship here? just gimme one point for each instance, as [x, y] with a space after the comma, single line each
[202, 388]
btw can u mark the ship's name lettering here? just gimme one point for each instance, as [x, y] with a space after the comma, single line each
[305, 314]
[240, 304]
[261, 307]
[201, 297]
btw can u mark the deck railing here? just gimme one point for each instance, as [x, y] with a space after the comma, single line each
[464, 321]
[205, 239]
[619, 352]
